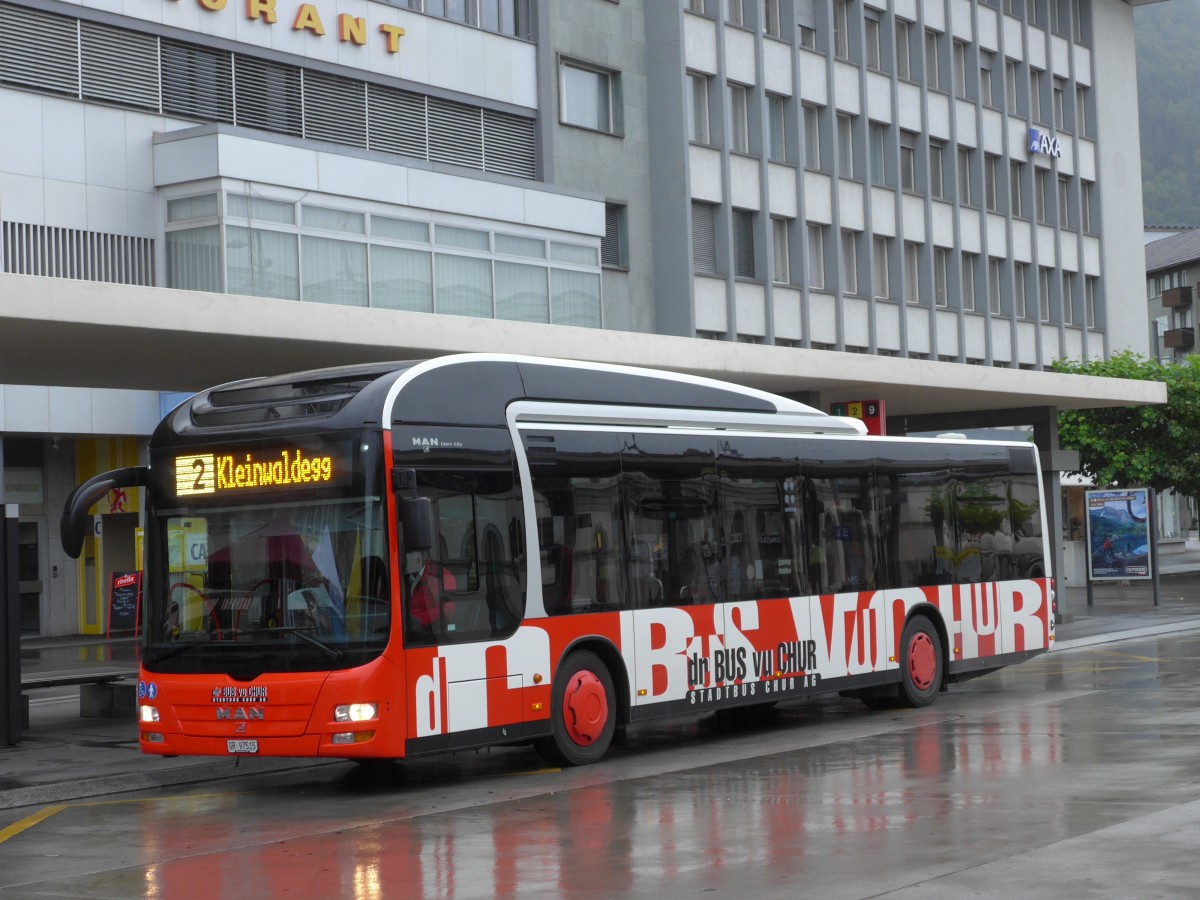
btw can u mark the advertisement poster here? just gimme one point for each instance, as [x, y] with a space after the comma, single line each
[1118, 525]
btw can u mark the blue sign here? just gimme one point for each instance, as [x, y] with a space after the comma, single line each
[1044, 144]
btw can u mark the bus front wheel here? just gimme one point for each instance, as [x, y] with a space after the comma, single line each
[921, 663]
[583, 714]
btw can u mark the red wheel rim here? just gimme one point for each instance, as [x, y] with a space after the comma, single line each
[922, 661]
[585, 708]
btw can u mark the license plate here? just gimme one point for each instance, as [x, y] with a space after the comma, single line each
[242, 746]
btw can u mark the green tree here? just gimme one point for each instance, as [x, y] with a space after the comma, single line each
[1143, 446]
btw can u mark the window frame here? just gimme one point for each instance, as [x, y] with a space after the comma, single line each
[611, 82]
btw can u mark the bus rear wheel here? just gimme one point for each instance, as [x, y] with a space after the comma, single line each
[922, 666]
[582, 712]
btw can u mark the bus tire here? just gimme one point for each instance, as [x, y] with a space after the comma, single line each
[922, 665]
[583, 712]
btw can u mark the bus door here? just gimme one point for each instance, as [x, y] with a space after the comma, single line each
[463, 598]
[677, 566]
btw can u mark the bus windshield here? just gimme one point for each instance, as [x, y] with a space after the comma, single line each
[290, 578]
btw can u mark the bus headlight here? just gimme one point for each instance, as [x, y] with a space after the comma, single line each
[356, 712]
[148, 713]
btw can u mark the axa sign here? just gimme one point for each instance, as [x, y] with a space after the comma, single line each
[1043, 143]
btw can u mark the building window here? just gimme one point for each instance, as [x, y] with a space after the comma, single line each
[1089, 299]
[987, 59]
[743, 244]
[960, 70]
[1010, 84]
[739, 118]
[879, 266]
[841, 29]
[772, 21]
[1065, 219]
[699, 131]
[1085, 198]
[808, 37]
[1060, 104]
[908, 160]
[849, 271]
[614, 248]
[777, 126]
[903, 50]
[912, 273]
[877, 134]
[1044, 293]
[1068, 299]
[872, 29]
[933, 68]
[587, 97]
[845, 134]
[970, 262]
[816, 256]
[991, 180]
[812, 137]
[1081, 116]
[965, 195]
[696, 6]
[1041, 189]
[782, 246]
[735, 13]
[1014, 178]
[704, 237]
[995, 307]
[937, 186]
[941, 276]
[1019, 282]
[1035, 95]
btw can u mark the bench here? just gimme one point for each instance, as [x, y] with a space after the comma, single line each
[103, 693]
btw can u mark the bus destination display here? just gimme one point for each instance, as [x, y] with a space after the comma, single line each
[258, 470]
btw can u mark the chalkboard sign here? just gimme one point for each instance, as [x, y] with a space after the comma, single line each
[124, 602]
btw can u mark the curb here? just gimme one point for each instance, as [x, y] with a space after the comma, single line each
[1112, 637]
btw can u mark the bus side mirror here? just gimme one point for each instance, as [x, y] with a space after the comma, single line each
[416, 523]
[74, 523]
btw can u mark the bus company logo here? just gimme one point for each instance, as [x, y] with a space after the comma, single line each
[430, 443]
[1044, 144]
[240, 713]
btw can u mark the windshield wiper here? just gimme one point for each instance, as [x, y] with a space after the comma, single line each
[334, 653]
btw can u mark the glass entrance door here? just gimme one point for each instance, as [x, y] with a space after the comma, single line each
[30, 551]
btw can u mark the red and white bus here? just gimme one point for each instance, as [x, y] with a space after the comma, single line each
[389, 560]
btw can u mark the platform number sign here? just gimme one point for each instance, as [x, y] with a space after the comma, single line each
[870, 412]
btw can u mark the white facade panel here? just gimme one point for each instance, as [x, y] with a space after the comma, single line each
[700, 44]
[781, 187]
[907, 9]
[65, 203]
[1036, 48]
[1069, 248]
[814, 83]
[935, 14]
[23, 199]
[1014, 38]
[712, 313]
[1087, 160]
[744, 189]
[1072, 343]
[1001, 340]
[965, 118]
[777, 67]
[1095, 345]
[751, 306]
[704, 174]
[850, 205]
[63, 121]
[822, 318]
[1066, 163]
[942, 219]
[909, 113]
[883, 211]
[917, 326]
[856, 324]
[947, 333]
[970, 232]
[913, 222]
[1091, 255]
[1060, 56]
[1047, 256]
[268, 162]
[1017, 138]
[1022, 241]
[107, 210]
[1027, 343]
[846, 93]
[1083, 64]
[988, 23]
[786, 303]
[887, 326]
[975, 337]
[1049, 338]
[879, 97]
[348, 176]
[23, 151]
[960, 19]
[818, 199]
[739, 56]
[26, 408]
[997, 236]
[938, 115]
